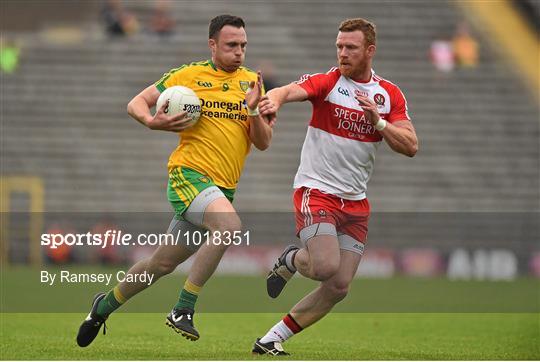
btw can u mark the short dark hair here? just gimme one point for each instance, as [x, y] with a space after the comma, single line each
[217, 23]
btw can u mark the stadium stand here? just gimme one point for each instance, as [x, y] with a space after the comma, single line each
[64, 116]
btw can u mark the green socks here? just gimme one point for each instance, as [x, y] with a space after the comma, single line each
[188, 296]
[112, 301]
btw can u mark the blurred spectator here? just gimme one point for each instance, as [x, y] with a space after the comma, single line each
[9, 56]
[465, 47]
[161, 23]
[118, 21]
[268, 75]
[61, 254]
[442, 55]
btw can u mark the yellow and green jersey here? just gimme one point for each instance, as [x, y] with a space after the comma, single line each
[218, 144]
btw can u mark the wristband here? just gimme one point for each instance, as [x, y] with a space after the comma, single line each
[253, 112]
[380, 125]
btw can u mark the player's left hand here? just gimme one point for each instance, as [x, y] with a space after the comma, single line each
[254, 93]
[268, 110]
[254, 99]
[370, 109]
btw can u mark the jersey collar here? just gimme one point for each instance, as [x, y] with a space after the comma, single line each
[221, 70]
[212, 64]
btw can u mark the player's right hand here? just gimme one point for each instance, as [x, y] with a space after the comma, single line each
[164, 122]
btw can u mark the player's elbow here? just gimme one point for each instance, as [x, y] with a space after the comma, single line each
[262, 145]
[412, 149]
[261, 141]
[129, 107]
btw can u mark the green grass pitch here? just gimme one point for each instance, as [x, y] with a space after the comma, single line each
[393, 319]
[230, 336]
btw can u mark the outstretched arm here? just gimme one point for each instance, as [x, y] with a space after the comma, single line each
[279, 96]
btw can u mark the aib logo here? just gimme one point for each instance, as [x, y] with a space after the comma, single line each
[345, 92]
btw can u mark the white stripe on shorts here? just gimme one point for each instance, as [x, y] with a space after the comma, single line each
[305, 207]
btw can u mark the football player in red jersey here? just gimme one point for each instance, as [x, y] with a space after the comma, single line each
[354, 110]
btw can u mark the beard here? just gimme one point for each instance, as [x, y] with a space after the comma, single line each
[353, 71]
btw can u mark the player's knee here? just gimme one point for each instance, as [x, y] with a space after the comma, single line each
[228, 224]
[324, 271]
[337, 291]
[161, 267]
[302, 263]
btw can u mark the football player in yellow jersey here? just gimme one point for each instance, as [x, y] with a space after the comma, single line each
[203, 170]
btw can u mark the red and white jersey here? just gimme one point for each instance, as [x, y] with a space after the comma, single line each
[339, 150]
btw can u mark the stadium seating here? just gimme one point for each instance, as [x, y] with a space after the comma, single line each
[65, 120]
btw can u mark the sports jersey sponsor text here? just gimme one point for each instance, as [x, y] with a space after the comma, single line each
[220, 109]
[354, 122]
[361, 93]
